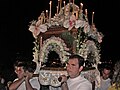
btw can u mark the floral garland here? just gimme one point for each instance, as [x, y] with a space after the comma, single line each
[36, 51]
[89, 48]
[116, 75]
[54, 44]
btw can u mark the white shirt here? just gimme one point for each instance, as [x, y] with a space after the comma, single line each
[34, 83]
[79, 83]
[105, 84]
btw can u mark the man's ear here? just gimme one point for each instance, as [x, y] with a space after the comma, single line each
[81, 68]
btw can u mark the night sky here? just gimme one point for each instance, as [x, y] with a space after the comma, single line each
[16, 39]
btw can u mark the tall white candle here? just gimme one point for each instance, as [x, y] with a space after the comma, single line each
[57, 9]
[40, 41]
[92, 17]
[64, 7]
[73, 1]
[64, 3]
[50, 10]
[47, 14]
[86, 12]
[73, 6]
[76, 14]
[81, 6]
[69, 1]
[58, 5]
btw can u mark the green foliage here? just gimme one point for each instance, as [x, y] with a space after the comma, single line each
[68, 38]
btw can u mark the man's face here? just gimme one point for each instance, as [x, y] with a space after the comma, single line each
[20, 72]
[105, 74]
[73, 68]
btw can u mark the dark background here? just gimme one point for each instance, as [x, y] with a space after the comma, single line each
[16, 40]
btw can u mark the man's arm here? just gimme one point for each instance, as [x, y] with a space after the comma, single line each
[27, 82]
[63, 80]
[16, 84]
[64, 86]
[28, 85]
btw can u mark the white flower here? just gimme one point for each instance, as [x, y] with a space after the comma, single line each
[79, 23]
[86, 27]
[43, 28]
[31, 28]
[100, 36]
[37, 29]
[70, 23]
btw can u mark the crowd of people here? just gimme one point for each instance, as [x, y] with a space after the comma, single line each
[26, 80]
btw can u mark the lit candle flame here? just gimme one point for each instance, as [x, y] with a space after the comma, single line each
[81, 6]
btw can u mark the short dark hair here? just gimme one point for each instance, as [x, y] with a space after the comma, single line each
[108, 67]
[19, 63]
[31, 66]
[27, 65]
[80, 59]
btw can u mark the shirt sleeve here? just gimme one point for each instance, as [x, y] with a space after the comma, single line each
[35, 83]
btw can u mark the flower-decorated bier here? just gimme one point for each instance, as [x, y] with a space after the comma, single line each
[44, 78]
[54, 80]
[71, 27]
[51, 77]
[68, 32]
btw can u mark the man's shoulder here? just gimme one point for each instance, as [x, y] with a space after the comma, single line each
[15, 79]
[84, 79]
[34, 80]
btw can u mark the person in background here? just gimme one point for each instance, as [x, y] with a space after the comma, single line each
[105, 80]
[2, 83]
[116, 77]
[2, 80]
[25, 80]
[75, 81]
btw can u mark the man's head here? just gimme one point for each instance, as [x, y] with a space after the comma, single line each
[75, 65]
[21, 67]
[106, 72]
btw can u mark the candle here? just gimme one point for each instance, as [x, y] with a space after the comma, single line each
[47, 14]
[70, 1]
[73, 6]
[73, 1]
[64, 3]
[60, 4]
[64, 7]
[92, 17]
[86, 12]
[40, 41]
[50, 10]
[81, 6]
[57, 9]
[76, 14]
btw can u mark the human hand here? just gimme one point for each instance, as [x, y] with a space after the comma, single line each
[28, 76]
[62, 79]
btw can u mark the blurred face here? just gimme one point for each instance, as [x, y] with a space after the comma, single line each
[73, 68]
[20, 72]
[105, 74]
